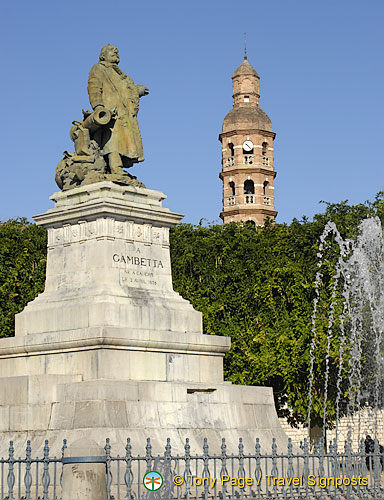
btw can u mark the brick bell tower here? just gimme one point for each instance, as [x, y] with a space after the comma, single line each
[247, 153]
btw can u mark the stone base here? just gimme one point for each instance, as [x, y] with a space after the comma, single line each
[58, 407]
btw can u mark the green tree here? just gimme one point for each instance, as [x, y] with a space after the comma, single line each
[23, 248]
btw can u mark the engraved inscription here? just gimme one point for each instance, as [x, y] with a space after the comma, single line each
[130, 277]
[137, 261]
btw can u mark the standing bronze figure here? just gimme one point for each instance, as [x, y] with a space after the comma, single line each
[107, 139]
[111, 88]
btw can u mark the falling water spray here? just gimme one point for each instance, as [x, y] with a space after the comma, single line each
[358, 280]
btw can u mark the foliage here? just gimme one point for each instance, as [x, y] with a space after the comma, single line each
[22, 268]
[257, 286]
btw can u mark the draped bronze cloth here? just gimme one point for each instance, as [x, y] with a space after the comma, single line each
[111, 87]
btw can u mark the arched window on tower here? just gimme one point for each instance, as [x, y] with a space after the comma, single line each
[264, 149]
[231, 158]
[249, 191]
[249, 187]
[267, 199]
[231, 198]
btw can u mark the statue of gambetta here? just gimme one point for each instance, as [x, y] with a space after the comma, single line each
[107, 139]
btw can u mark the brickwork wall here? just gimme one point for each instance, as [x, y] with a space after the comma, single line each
[367, 426]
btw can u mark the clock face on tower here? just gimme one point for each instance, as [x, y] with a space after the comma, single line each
[248, 146]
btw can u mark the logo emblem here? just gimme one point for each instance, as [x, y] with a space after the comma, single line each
[153, 480]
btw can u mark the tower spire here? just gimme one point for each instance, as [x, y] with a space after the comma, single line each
[247, 152]
[245, 45]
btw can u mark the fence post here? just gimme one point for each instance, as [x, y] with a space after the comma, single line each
[84, 474]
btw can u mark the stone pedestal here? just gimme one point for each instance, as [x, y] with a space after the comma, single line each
[108, 265]
[110, 350]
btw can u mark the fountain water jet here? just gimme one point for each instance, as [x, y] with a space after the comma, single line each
[358, 280]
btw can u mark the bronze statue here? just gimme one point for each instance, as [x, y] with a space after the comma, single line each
[110, 88]
[109, 138]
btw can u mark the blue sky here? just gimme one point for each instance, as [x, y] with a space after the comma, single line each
[321, 69]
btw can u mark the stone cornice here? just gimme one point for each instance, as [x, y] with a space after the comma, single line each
[247, 131]
[253, 209]
[246, 169]
[113, 338]
[106, 199]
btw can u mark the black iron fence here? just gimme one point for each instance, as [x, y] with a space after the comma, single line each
[296, 474]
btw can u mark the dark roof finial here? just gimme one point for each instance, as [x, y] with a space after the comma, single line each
[245, 45]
